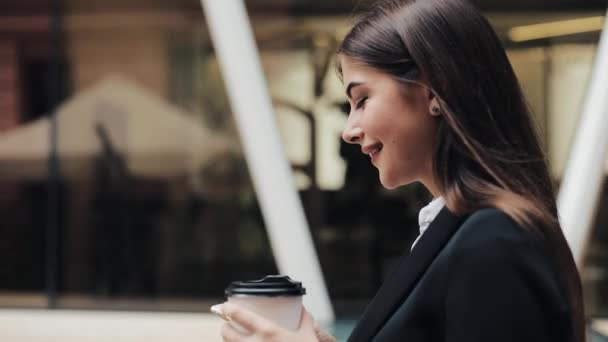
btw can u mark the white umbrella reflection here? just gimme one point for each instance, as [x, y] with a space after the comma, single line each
[154, 138]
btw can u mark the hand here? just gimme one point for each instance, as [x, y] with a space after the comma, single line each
[262, 330]
[322, 335]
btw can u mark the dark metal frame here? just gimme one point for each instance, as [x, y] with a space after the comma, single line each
[52, 238]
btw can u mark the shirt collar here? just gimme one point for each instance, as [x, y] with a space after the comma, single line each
[429, 212]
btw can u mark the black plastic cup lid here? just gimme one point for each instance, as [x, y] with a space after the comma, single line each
[272, 285]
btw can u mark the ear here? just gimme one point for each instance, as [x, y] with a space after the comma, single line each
[434, 107]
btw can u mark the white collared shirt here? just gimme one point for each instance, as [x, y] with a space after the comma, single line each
[428, 214]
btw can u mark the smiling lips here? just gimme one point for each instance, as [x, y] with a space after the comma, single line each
[372, 149]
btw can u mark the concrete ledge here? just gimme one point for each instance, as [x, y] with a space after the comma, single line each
[100, 326]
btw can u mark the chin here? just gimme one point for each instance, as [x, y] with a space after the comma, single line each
[391, 183]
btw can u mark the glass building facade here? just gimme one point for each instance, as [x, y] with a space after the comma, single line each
[123, 181]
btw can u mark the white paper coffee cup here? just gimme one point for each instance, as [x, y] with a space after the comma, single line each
[275, 297]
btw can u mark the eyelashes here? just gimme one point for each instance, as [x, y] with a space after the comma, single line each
[361, 102]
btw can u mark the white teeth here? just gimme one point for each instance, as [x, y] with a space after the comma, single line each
[371, 154]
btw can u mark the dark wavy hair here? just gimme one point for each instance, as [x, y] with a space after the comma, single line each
[487, 151]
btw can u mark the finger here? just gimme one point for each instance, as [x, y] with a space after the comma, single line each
[229, 334]
[247, 319]
[324, 336]
[217, 310]
[306, 320]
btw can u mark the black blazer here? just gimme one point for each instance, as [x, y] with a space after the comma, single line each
[479, 278]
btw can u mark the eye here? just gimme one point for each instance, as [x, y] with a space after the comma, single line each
[361, 102]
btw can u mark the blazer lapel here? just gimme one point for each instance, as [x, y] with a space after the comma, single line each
[396, 289]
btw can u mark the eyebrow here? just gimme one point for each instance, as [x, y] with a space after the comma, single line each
[350, 86]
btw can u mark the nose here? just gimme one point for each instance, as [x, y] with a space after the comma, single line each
[352, 135]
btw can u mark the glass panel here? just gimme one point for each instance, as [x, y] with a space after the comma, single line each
[162, 206]
[154, 198]
[34, 77]
[155, 208]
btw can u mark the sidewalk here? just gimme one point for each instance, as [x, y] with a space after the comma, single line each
[101, 326]
[41, 325]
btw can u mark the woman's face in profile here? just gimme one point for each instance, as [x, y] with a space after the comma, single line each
[391, 121]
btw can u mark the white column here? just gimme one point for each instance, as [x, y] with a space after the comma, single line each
[288, 231]
[584, 174]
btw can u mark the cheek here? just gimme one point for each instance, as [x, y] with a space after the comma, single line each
[402, 125]
[380, 118]
[412, 142]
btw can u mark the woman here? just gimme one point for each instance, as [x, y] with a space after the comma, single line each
[435, 100]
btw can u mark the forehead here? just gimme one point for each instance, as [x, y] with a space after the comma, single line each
[356, 71]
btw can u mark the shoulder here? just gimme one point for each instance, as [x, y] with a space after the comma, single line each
[488, 217]
[493, 253]
[500, 276]
[491, 235]
[493, 225]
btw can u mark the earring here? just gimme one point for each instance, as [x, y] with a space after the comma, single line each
[435, 109]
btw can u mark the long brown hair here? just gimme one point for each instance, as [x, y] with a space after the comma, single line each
[487, 151]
